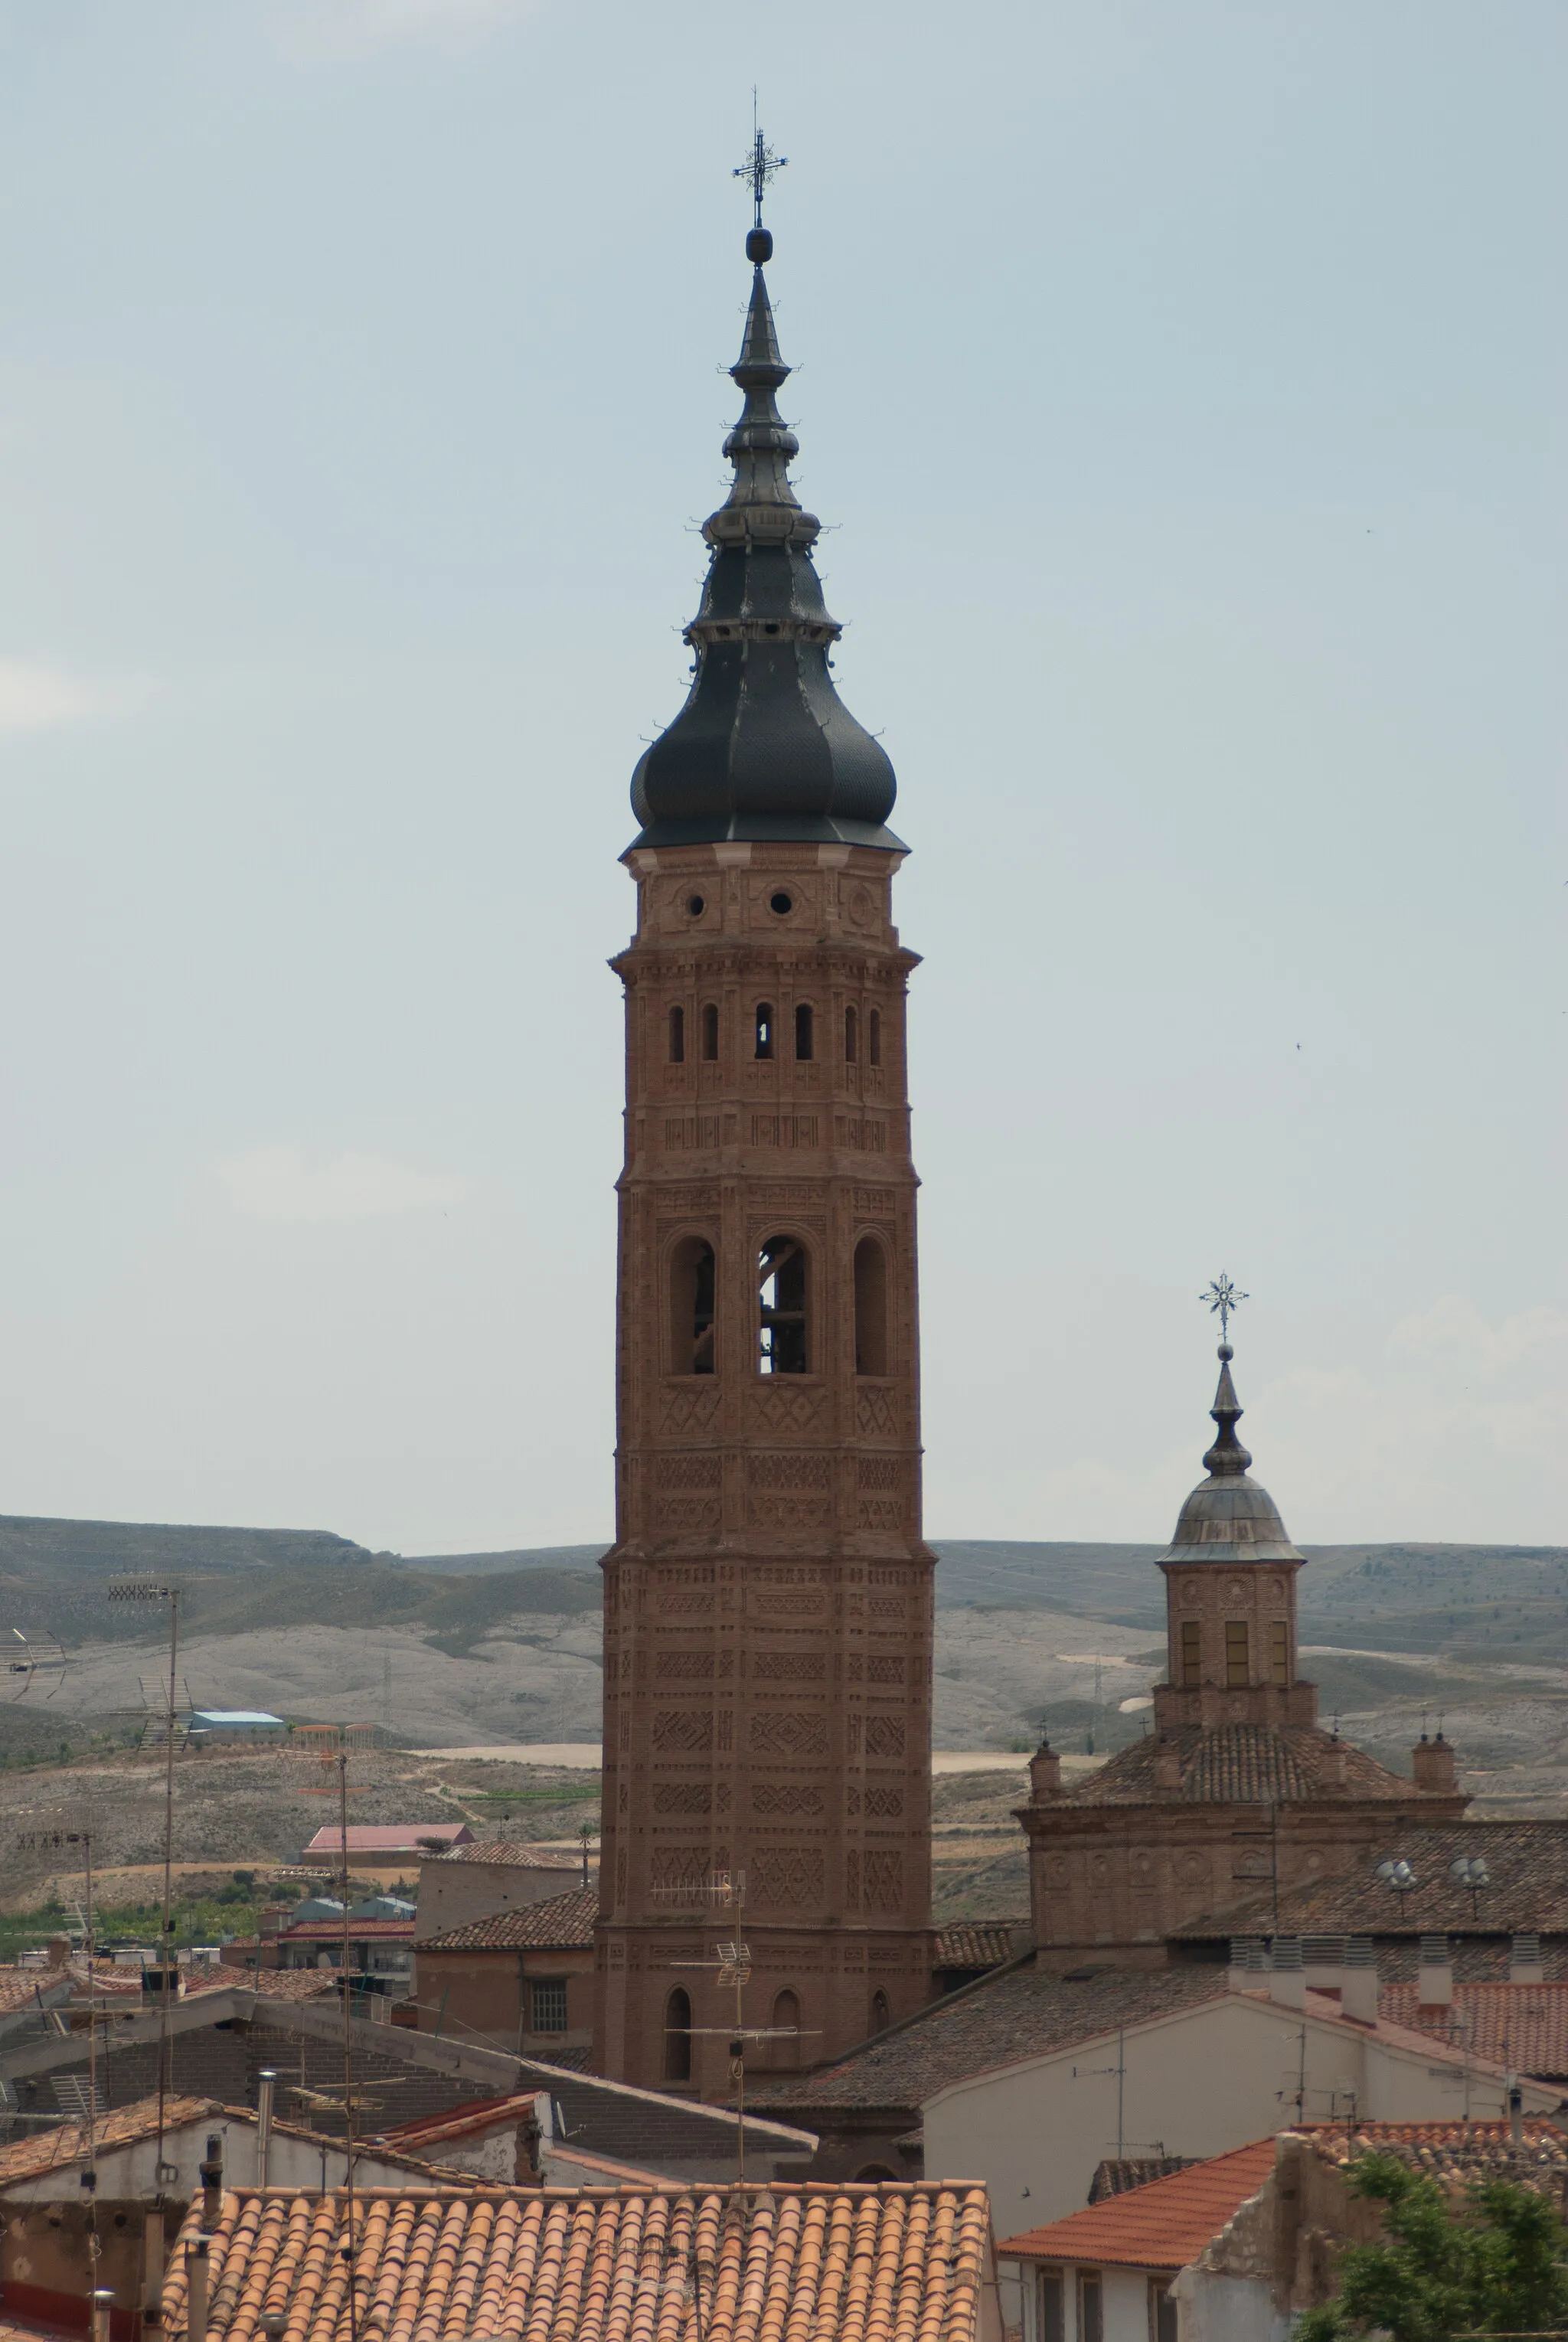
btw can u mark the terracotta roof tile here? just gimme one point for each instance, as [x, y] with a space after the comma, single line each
[47, 2150]
[389, 1837]
[1021, 2013]
[19, 1985]
[472, 2119]
[1450, 2150]
[1521, 2025]
[514, 1853]
[1528, 1893]
[981, 1944]
[1118, 2175]
[902, 2262]
[1162, 2225]
[1246, 1764]
[562, 1924]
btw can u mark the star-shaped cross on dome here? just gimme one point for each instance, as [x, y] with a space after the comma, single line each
[762, 165]
[1223, 1297]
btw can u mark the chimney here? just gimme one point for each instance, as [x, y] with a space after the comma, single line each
[1045, 1778]
[155, 2248]
[528, 2171]
[213, 2182]
[59, 1952]
[1358, 1981]
[1515, 2115]
[196, 2289]
[266, 2089]
[1434, 1978]
[1525, 1962]
[103, 2309]
[1168, 1763]
[1288, 1985]
[1433, 1765]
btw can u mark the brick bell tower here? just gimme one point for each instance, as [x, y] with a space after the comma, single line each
[768, 1598]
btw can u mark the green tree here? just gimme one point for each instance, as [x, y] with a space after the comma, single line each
[1498, 2266]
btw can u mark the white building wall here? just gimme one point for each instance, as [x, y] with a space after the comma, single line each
[1195, 2084]
[1213, 2308]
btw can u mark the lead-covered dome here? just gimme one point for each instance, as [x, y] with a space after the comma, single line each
[764, 747]
[1228, 1518]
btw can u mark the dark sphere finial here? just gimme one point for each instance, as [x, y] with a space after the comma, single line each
[759, 246]
[1226, 1353]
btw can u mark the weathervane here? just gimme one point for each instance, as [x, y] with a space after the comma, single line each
[761, 165]
[1222, 1296]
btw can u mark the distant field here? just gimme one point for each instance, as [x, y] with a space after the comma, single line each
[464, 1649]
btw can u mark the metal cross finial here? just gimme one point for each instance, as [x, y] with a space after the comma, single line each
[1222, 1295]
[761, 165]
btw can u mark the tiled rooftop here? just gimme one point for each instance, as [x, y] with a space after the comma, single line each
[1160, 2227]
[1521, 2025]
[1450, 2150]
[903, 2262]
[330, 1931]
[47, 2150]
[562, 1924]
[977, 1944]
[1119, 2174]
[515, 1853]
[1247, 1764]
[18, 1985]
[1528, 1893]
[68, 2142]
[389, 1837]
[1023, 2013]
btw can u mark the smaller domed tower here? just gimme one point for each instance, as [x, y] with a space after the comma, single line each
[1237, 1789]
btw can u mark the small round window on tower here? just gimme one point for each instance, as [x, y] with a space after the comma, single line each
[695, 907]
[781, 903]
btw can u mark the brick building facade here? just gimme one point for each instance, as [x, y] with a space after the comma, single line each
[768, 1600]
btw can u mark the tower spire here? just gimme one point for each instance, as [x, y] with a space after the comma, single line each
[763, 748]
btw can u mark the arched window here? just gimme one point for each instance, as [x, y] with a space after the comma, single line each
[692, 1307]
[711, 1032]
[881, 2016]
[765, 1041]
[873, 1036]
[803, 1031]
[871, 1344]
[678, 2035]
[785, 2022]
[782, 1330]
[851, 1036]
[873, 2171]
[677, 1037]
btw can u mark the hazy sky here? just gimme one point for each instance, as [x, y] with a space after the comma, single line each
[1181, 382]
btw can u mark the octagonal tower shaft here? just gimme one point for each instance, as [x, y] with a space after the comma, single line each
[768, 1599]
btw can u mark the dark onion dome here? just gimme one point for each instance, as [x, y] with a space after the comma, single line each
[764, 747]
[1228, 1518]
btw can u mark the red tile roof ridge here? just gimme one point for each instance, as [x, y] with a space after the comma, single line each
[52, 2151]
[560, 1922]
[476, 2114]
[1163, 2225]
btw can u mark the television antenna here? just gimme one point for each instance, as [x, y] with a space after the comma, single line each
[730, 1969]
[30, 1659]
[151, 1590]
